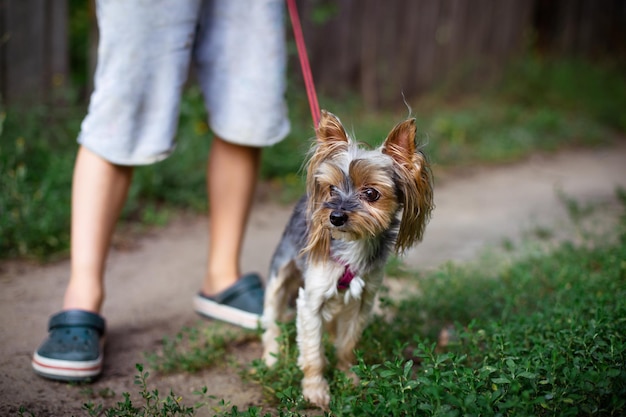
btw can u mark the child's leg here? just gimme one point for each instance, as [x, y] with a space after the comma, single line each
[231, 179]
[99, 190]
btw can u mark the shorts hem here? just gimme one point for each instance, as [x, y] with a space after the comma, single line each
[283, 132]
[125, 160]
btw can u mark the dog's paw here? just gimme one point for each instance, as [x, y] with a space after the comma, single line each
[352, 377]
[269, 357]
[316, 391]
[346, 368]
[270, 351]
[270, 346]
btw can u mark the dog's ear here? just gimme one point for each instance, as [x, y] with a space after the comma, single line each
[400, 142]
[414, 181]
[330, 130]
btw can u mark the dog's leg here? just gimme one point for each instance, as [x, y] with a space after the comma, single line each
[276, 299]
[350, 326]
[349, 330]
[311, 359]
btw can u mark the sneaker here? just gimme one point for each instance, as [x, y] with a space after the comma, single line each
[241, 304]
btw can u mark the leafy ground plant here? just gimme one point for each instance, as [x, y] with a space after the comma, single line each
[153, 403]
[195, 348]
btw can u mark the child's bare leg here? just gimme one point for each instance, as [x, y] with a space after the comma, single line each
[231, 180]
[99, 191]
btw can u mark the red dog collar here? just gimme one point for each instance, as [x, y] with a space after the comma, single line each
[346, 278]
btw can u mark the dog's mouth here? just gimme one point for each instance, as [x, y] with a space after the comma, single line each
[342, 233]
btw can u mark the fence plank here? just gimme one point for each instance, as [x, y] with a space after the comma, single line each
[33, 48]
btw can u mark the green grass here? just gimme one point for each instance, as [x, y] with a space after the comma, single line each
[537, 106]
[541, 334]
[196, 348]
[153, 404]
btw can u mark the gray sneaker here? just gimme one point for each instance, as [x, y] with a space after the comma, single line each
[241, 304]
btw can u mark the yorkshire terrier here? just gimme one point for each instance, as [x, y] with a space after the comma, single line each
[360, 206]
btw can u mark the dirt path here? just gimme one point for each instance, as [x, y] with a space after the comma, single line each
[150, 288]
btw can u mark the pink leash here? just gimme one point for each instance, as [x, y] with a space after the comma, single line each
[348, 274]
[304, 62]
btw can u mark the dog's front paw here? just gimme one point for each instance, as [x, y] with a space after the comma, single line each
[346, 368]
[316, 391]
[270, 345]
[269, 357]
[352, 377]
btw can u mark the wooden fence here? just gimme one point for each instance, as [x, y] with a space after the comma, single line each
[33, 48]
[379, 49]
[382, 49]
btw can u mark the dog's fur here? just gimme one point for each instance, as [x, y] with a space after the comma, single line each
[361, 205]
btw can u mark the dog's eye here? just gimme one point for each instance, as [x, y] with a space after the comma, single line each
[370, 194]
[333, 191]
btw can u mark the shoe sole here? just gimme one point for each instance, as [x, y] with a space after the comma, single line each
[64, 370]
[212, 310]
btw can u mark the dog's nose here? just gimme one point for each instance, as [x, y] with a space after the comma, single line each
[338, 218]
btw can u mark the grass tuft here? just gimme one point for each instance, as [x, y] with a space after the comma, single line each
[195, 348]
[152, 404]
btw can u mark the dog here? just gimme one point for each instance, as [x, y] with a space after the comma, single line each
[360, 206]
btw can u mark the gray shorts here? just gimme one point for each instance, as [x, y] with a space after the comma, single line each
[144, 53]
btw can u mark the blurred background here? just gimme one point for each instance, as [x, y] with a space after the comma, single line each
[372, 48]
[489, 81]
